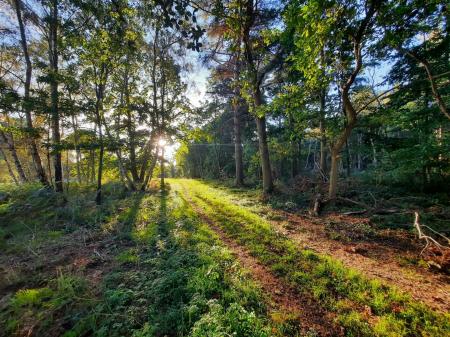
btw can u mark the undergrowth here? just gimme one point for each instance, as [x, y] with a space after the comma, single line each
[31, 214]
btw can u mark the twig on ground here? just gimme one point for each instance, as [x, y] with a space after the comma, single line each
[428, 239]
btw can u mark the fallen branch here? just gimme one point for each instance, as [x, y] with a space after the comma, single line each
[354, 202]
[369, 209]
[356, 212]
[428, 239]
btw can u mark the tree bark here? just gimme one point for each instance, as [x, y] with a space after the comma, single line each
[56, 136]
[98, 113]
[239, 167]
[149, 173]
[348, 161]
[264, 155]
[323, 139]
[162, 171]
[92, 172]
[351, 118]
[77, 149]
[332, 188]
[238, 105]
[350, 112]
[48, 156]
[146, 156]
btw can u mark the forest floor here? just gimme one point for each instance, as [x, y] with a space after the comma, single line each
[205, 260]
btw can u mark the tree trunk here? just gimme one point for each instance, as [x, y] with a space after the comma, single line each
[10, 171]
[333, 174]
[67, 169]
[26, 106]
[248, 22]
[146, 156]
[238, 106]
[348, 163]
[337, 147]
[49, 161]
[149, 173]
[12, 149]
[294, 161]
[323, 139]
[98, 112]
[308, 155]
[131, 131]
[374, 153]
[238, 147]
[77, 149]
[98, 196]
[56, 136]
[264, 155]
[162, 172]
[123, 173]
[92, 172]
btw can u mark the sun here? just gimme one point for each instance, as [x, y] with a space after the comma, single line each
[162, 142]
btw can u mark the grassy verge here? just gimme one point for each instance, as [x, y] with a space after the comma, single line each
[364, 307]
[170, 276]
[31, 215]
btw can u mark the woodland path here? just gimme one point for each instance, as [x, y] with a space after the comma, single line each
[283, 299]
[375, 259]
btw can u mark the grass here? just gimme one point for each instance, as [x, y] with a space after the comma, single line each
[169, 274]
[46, 309]
[32, 214]
[187, 283]
[363, 307]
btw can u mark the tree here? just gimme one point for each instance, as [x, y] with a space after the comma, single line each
[247, 30]
[53, 54]
[404, 23]
[340, 32]
[26, 99]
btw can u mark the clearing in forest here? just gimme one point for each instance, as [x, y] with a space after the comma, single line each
[189, 261]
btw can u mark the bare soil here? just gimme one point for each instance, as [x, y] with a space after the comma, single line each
[382, 257]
